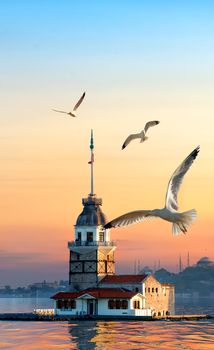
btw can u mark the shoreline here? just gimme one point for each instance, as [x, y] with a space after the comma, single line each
[29, 316]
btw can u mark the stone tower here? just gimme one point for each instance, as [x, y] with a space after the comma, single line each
[92, 251]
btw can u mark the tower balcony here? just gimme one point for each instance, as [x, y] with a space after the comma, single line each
[78, 243]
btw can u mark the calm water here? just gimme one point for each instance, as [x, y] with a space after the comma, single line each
[88, 335]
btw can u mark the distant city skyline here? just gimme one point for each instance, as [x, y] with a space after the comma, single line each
[137, 61]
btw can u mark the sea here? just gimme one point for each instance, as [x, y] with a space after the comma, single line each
[107, 335]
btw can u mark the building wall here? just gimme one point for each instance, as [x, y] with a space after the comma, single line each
[103, 310]
[159, 297]
[161, 301]
[106, 265]
[88, 265]
[95, 229]
[81, 307]
[83, 269]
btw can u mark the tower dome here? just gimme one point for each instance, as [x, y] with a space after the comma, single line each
[92, 214]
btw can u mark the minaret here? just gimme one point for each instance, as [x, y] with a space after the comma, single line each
[92, 251]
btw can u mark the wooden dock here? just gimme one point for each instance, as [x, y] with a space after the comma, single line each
[34, 317]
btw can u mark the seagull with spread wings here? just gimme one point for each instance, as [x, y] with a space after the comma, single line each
[142, 135]
[73, 113]
[180, 221]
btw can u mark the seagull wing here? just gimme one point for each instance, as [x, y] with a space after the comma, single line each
[130, 218]
[79, 102]
[149, 124]
[130, 138]
[56, 110]
[177, 178]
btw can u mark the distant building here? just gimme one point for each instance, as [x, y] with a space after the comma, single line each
[205, 262]
[44, 285]
[95, 289]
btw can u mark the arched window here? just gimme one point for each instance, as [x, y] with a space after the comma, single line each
[156, 289]
[153, 289]
[101, 236]
[136, 304]
[89, 236]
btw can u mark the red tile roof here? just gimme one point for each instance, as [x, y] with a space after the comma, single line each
[97, 293]
[123, 279]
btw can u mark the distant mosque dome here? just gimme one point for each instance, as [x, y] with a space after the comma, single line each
[92, 214]
[204, 262]
[145, 270]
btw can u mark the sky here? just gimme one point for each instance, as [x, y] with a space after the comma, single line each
[137, 61]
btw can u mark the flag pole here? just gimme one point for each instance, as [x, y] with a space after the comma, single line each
[92, 163]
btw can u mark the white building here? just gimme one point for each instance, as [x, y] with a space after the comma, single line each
[101, 302]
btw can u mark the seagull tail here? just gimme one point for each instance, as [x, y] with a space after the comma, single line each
[185, 220]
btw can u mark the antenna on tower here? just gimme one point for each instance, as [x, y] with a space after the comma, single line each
[91, 162]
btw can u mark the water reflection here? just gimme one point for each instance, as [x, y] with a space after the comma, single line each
[99, 335]
[83, 334]
[161, 335]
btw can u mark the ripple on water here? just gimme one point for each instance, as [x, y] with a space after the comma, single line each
[97, 335]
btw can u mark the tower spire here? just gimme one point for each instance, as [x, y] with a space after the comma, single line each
[91, 162]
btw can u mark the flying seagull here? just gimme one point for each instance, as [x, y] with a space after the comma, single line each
[180, 221]
[73, 113]
[142, 135]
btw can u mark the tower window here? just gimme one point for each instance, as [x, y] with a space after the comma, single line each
[101, 236]
[79, 236]
[90, 236]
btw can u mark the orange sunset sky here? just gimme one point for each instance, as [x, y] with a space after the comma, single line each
[137, 61]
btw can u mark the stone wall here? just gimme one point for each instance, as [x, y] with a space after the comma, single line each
[159, 297]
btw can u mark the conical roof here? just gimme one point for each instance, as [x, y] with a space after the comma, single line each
[92, 214]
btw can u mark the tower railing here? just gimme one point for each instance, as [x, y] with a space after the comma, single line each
[78, 243]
